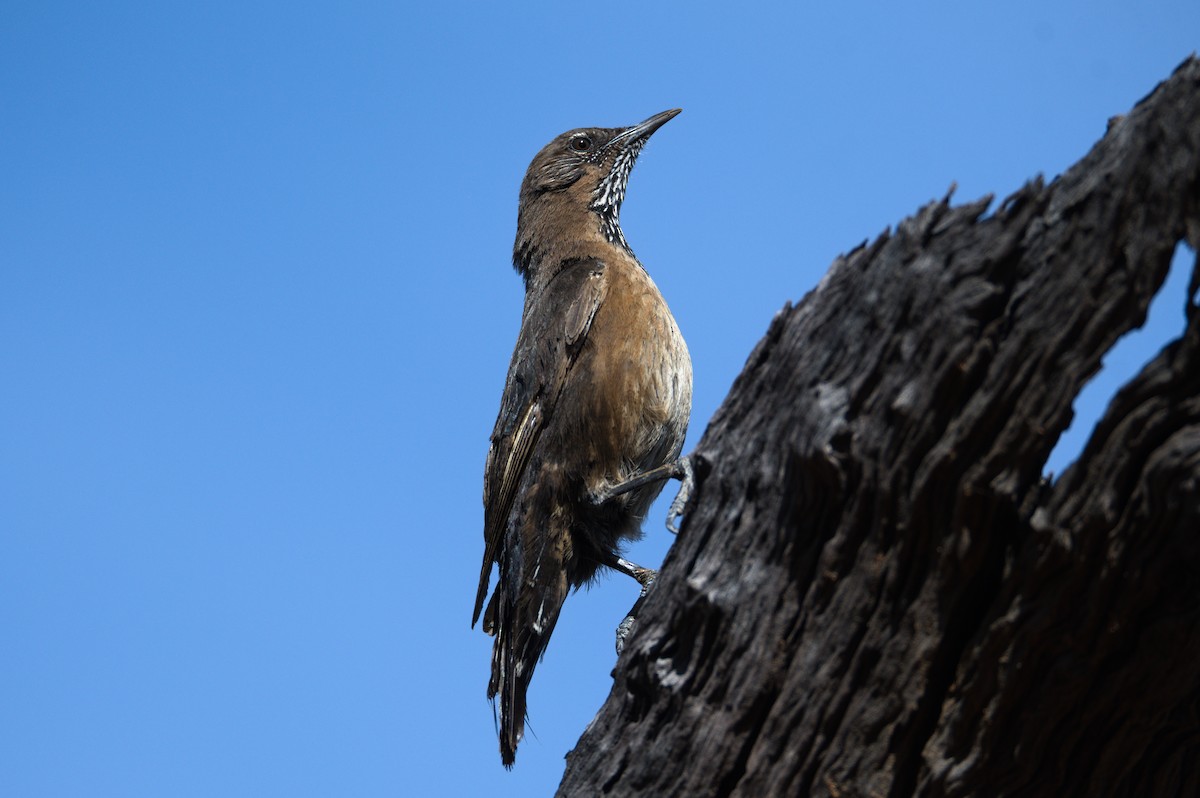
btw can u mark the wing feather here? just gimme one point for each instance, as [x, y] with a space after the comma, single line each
[554, 329]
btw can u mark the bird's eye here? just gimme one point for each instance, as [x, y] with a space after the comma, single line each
[580, 143]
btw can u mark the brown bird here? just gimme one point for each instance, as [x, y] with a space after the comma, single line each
[594, 411]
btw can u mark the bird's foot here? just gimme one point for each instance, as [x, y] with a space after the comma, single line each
[646, 577]
[623, 630]
[682, 505]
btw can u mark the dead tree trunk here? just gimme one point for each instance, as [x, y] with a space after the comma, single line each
[877, 592]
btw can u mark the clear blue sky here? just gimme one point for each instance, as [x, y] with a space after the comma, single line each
[256, 306]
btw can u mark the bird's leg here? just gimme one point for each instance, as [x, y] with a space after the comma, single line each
[671, 470]
[680, 469]
[645, 577]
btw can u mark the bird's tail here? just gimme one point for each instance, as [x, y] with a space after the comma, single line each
[521, 615]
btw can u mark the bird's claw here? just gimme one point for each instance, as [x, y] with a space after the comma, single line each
[646, 577]
[623, 630]
[682, 505]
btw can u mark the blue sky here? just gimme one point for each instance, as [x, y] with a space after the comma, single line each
[256, 306]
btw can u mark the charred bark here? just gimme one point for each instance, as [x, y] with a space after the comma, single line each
[877, 592]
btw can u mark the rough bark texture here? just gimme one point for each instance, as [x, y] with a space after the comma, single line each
[877, 593]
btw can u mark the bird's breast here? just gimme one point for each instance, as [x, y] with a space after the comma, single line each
[639, 378]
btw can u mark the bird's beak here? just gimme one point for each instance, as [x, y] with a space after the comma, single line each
[645, 129]
[654, 123]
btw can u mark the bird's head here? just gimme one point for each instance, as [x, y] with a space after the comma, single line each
[575, 187]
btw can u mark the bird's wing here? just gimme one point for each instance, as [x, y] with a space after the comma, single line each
[554, 328]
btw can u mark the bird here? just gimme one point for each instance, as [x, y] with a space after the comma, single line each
[594, 411]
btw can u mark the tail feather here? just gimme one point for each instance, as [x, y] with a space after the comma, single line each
[522, 615]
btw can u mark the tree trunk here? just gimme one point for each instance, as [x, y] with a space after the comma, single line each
[877, 593]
